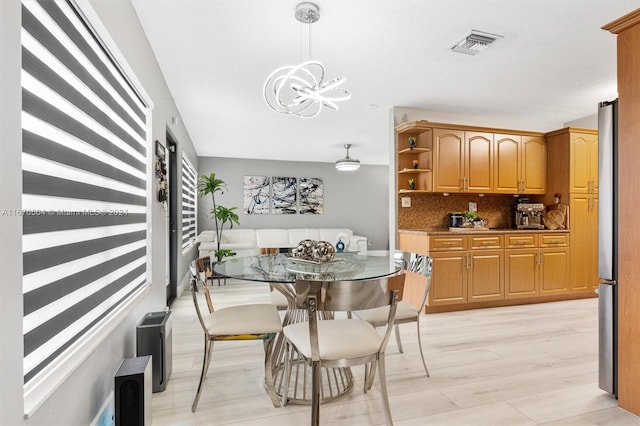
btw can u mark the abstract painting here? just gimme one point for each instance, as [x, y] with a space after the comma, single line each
[256, 195]
[284, 195]
[311, 196]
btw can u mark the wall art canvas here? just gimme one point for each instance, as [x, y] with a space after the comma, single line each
[284, 195]
[311, 196]
[256, 195]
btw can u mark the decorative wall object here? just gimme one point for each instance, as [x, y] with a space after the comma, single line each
[311, 196]
[284, 195]
[256, 195]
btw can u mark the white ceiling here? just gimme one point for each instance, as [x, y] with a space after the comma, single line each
[553, 66]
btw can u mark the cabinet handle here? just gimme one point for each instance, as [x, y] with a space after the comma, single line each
[524, 185]
[462, 184]
[466, 183]
[520, 242]
[449, 243]
[487, 243]
[469, 260]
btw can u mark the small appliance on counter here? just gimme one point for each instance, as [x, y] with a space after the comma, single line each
[529, 216]
[455, 220]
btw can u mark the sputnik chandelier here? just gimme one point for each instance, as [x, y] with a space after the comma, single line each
[301, 90]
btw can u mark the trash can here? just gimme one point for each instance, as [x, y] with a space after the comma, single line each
[153, 337]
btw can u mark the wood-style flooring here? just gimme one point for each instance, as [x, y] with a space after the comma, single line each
[520, 365]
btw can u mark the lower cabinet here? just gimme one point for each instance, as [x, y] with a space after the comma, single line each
[485, 277]
[493, 269]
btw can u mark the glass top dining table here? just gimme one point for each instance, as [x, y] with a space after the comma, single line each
[281, 271]
[285, 268]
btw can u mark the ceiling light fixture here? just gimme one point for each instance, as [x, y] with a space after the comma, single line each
[347, 163]
[301, 90]
[475, 42]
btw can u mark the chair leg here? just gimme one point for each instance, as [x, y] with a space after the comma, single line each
[268, 371]
[398, 341]
[208, 349]
[383, 390]
[370, 374]
[420, 346]
[315, 393]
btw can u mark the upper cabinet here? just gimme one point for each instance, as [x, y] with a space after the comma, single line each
[584, 163]
[465, 159]
[520, 164]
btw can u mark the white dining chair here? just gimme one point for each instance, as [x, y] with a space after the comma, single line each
[342, 342]
[406, 312]
[242, 322]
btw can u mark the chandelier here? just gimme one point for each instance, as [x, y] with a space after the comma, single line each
[347, 163]
[301, 90]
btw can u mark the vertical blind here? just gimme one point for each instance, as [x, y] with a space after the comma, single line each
[189, 184]
[84, 202]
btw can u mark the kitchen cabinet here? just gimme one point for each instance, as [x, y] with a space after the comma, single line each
[584, 241]
[463, 161]
[542, 268]
[584, 163]
[520, 164]
[466, 269]
[573, 173]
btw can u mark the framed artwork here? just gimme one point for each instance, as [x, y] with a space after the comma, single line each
[256, 195]
[311, 196]
[284, 195]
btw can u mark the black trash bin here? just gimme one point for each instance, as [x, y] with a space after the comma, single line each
[153, 337]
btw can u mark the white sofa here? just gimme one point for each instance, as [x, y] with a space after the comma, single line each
[248, 242]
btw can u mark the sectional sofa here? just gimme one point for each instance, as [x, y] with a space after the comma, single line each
[248, 242]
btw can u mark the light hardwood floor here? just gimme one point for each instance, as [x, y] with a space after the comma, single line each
[520, 365]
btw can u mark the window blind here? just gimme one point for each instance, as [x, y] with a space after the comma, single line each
[189, 185]
[84, 202]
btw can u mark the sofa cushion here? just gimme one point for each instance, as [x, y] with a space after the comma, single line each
[247, 236]
[297, 235]
[273, 238]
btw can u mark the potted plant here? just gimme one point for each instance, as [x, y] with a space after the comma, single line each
[412, 142]
[222, 216]
[412, 184]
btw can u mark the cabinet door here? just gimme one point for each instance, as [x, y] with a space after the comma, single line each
[506, 163]
[486, 275]
[448, 164]
[584, 241]
[478, 162]
[521, 273]
[534, 165]
[584, 163]
[554, 270]
[448, 279]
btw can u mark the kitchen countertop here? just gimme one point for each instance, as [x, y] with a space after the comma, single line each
[471, 231]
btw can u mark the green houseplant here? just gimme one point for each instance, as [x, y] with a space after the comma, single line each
[222, 216]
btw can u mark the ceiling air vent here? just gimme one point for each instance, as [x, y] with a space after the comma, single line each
[475, 42]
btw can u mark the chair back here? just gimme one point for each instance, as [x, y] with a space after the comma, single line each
[419, 264]
[318, 296]
[200, 280]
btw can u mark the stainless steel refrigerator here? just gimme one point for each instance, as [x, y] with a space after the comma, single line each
[608, 247]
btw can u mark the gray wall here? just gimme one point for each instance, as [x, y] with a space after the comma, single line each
[358, 200]
[78, 400]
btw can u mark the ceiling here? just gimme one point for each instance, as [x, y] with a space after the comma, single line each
[553, 66]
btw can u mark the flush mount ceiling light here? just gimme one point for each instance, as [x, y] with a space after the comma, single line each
[347, 163]
[475, 42]
[301, 90]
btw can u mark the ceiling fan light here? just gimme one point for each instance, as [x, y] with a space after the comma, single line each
[347, 163]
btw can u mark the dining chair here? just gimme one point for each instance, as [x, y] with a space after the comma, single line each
[405, 312]
[241, 322]
[341, 342]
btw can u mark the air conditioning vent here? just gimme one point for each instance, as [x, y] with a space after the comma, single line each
[475, 42]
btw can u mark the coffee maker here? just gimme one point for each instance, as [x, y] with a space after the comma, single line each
[529, 216]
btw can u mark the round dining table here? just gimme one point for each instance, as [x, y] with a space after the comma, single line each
[280, 271]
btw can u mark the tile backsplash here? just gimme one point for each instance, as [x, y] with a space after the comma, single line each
[429, 211]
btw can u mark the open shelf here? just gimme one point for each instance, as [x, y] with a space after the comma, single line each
[414, 171]
[414, 150]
